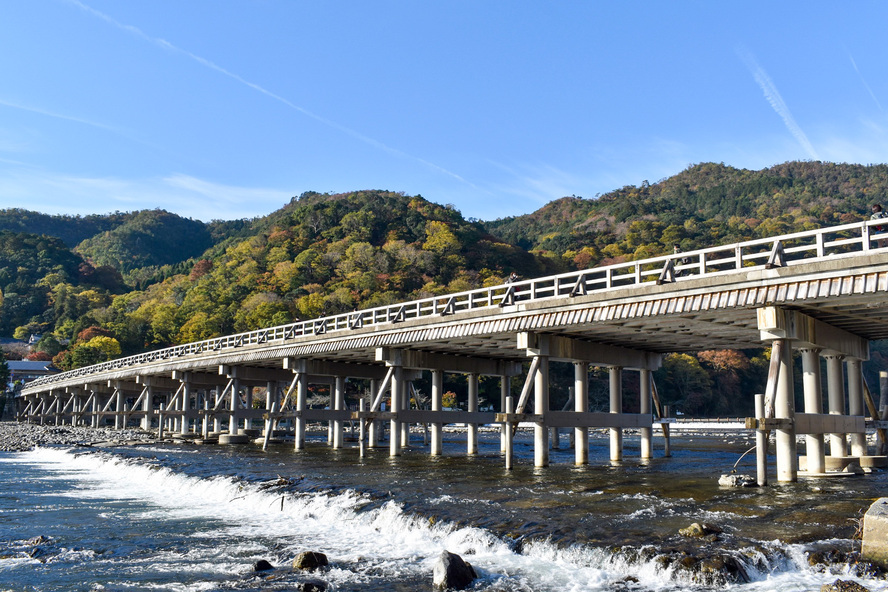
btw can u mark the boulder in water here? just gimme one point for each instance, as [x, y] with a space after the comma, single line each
[734, 480]
[310, 561]
[700, 530]
[312, 586]
[262, 565]
[451, 572]
[843, 586]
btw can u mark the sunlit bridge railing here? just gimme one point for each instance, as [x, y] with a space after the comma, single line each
[779, 251]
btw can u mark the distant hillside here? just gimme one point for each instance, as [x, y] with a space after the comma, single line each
[71, 229]
[147, 238]
[703, 205]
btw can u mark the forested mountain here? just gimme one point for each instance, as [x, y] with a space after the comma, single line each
[149, 238]
[130, 282]
[704, 205]
[70, 229]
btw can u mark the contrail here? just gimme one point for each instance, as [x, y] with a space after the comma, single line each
[163, 43]
[57, 115]
[865, 85]
[776, 101]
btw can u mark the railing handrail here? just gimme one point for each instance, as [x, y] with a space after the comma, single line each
[747, 255]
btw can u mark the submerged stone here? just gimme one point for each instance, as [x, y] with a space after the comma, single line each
[736, 481]
[843, 586]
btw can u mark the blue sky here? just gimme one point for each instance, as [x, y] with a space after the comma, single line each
[222, 109]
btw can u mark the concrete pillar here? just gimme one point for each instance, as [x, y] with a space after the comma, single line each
[437, 427]
[541, 407]
[185, 407]
[811, 382]
[472, 427]
[271, 403]
[835, 383]
[301, 405]
[338, 405]
[581, 405]
[217, 418]
[856, 404]
[248, 405]
[397, 390]
[405, 404]
[505, 391]
[616, 406]
[784, 407]
[233, 416]
[508, 407]
[761, 444]
[119, 421]
[373, 432]
[96, 407]
[644, 408]
[147, 407]
[883, 389]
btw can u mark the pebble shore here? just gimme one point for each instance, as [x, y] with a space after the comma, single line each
[22, 436]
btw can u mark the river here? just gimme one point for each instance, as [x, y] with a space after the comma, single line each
[185, 517]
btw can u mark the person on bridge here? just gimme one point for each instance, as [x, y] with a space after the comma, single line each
[879, 214]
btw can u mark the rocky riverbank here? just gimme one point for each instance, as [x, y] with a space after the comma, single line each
[21, 436]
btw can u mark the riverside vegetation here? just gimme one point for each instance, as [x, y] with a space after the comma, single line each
[102, 286]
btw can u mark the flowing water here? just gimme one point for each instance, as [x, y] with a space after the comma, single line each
[191, 518]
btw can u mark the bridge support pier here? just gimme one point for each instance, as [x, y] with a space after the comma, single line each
[472, 428]
[505, 392]
[784, 408]
[838, 445]
[855, 404]
[540, 407]
[437, 396]
[147, 407]
[644, 408]
[581, 405]
[301, 399]
[234, 407]
[811, 381]
[616, 406]
[338, 405]
[373, 431]
[397, 390]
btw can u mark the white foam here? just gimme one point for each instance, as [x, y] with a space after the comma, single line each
[363, 538]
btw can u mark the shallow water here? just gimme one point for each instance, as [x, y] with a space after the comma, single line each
[189, 518]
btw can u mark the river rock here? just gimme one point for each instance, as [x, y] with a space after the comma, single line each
[843, 586]
[874, 537]
[262, 565]
[736, 481]
[312, 586]
[310, 561]
[700, 530]
[451, 572]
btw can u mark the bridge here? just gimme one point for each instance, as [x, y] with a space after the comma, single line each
[821, 292]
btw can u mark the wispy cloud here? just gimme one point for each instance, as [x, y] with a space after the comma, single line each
[865, 85]
[776, 101]
[164, 44]
[539, 183]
